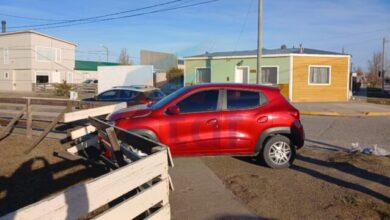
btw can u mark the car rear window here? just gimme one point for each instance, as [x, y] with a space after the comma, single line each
[240, 99]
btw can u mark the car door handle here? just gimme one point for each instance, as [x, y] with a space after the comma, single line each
[213, 122]
[262, 119]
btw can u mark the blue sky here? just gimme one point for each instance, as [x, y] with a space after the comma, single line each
[356, 25]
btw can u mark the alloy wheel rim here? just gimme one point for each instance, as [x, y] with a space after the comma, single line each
[280, 153]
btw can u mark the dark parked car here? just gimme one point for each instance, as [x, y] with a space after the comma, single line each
[220, 119]
[133, 95]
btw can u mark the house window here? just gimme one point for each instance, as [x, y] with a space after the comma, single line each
[45, 54]
[203, 75]
[41, 77]
[6, 75]
[269, 75]
[6, 55]
[319, 75]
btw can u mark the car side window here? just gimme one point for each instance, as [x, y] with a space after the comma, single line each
[203, 101]
[127, 94]
[109, 95]
[241, 99]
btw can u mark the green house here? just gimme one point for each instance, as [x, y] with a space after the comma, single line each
[284, 67]
[237, 67]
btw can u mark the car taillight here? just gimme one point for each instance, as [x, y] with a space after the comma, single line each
[295, 114]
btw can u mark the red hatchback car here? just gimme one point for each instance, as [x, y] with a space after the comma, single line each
[220, 119]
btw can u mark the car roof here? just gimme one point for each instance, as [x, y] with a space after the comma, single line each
[236, 86]
[137, 88]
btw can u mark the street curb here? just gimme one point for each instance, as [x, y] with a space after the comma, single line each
[341, 114]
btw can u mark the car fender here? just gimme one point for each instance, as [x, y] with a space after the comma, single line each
[146, 133]
[269, 132]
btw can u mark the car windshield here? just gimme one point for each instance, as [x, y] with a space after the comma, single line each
[169, 98]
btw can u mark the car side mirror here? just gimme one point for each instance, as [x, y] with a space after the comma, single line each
[173, 110]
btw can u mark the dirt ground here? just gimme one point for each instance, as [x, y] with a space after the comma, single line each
[27, 178]
[322, 184]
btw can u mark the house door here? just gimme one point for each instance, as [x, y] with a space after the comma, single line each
[241, 75]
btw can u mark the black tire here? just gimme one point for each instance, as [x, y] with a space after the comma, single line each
[278, 152]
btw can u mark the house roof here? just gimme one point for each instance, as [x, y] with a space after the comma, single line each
[91, 65]
[35, 32]
[286, 51]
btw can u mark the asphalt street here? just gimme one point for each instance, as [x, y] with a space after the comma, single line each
[343, 131]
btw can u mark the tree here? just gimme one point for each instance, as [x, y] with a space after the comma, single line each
[124, 58]
[374, 69]
[174, 73]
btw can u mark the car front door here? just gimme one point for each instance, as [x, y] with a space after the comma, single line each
[195, 130]
[242, 120]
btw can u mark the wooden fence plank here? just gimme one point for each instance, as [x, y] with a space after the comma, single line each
[11, 123]
[46, 131]
[162, 214]
[29, 119]
[134, 206]
[82, 131]
[83, 198]
[84, 114]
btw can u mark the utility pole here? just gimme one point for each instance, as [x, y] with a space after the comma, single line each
[383, 63]
[259, 41]
[107, 52]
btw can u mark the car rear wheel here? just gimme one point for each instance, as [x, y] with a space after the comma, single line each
[278, 152]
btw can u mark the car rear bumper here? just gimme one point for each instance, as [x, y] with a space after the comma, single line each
[298, 134]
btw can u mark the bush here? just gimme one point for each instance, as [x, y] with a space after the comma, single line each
[63, 89]
[174, 73]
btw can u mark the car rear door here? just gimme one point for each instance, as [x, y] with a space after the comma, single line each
[243, 118]
[195, 130]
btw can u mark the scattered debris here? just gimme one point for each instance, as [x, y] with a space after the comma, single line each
[374, 150]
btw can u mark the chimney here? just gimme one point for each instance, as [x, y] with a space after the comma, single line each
[3, 26]
[300, 48]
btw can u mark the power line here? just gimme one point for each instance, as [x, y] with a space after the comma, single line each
[97, 17]
[31, 18]
[129, 16]
[244, 24]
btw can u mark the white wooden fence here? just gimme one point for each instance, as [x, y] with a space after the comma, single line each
[84, 198]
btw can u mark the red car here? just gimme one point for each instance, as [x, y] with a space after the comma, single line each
[220, 119]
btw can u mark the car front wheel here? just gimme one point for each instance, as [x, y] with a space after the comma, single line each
[278, 152]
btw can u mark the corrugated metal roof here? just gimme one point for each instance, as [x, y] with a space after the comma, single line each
[91, 65]
[266, 52]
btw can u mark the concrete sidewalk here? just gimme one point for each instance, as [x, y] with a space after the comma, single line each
[199, 194]
[343, 109]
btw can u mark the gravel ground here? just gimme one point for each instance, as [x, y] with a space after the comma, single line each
[321, 185]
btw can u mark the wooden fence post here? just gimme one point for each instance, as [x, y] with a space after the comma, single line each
[29, 119]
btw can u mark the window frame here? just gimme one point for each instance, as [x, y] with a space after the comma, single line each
[42, 73]
[196, 74]
[319, 84]
[57, 54]
[219, 101]
[277, 74]
[261, 104]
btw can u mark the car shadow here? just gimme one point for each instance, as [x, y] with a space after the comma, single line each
[348, 168]
[340, 166]
[340, 182]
